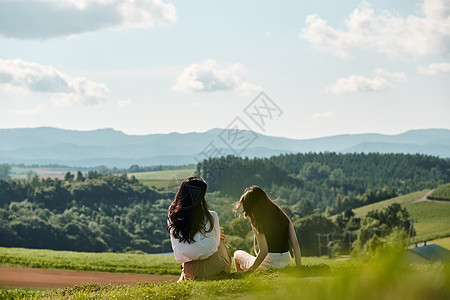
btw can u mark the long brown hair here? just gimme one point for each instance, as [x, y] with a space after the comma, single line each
[264, 215]
[188, 212]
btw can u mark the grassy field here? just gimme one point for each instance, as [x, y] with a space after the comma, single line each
[404, 200]
[444, 242]
[442, 192]
[433, 218]
[83, 261]
[384, 277]
[104, 262]
[166, 174]
[167, 180]
[18, 173]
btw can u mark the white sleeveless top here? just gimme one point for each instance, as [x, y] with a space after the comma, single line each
[204, 246]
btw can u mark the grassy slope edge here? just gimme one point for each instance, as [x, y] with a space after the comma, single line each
[432, 219]
[86, 261]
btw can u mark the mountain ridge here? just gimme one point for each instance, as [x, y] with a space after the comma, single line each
[115, 148]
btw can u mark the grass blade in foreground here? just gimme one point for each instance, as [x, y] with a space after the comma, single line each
[387, 277]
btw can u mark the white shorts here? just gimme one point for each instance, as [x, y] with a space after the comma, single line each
[272, 260]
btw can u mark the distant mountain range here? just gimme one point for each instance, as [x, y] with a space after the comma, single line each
[47, 145]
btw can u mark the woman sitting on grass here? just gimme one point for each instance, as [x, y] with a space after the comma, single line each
[273, 231]
[196, 237]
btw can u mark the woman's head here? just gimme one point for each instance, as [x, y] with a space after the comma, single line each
[262, 212]
[188, 211]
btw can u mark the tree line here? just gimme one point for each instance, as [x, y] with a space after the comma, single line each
[332, 181]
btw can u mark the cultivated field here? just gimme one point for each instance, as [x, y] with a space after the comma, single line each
[21, 173]
[167, 180]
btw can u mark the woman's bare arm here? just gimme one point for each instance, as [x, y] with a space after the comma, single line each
[294, 244]
[263, 250]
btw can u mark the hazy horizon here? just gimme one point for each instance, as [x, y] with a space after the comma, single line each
[217, 128]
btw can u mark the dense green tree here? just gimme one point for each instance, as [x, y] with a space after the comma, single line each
[80, 176]
[307, 230]
[4, 171]
[69, 176]
[378, 224]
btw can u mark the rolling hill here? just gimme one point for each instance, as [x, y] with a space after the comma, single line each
[45, 145]
[432, 218]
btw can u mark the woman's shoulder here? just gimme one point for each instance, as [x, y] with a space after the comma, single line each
[213, 213]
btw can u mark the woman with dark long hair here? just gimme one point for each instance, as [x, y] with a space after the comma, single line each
[273, 231]
[197, 240]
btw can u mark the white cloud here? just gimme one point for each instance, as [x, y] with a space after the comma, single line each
[40, 19]
[26, 112]
[434, 69]
[426, 33]
[20, 76]
[354, 83]
[209, 76]
[124, 103]
[324, 115]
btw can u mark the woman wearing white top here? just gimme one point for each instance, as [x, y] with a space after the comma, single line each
[196, 237]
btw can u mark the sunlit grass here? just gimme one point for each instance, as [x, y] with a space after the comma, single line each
[167, 180]
[24, 293]
[180, 174]
[442, 192]
[386, 277]
[433, 219]
[85, 261]
[403, 200]
[444, 242]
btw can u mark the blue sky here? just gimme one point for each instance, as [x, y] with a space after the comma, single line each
[151, 66]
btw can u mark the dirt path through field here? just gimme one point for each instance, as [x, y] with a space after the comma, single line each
[424, 198]
[42, 278]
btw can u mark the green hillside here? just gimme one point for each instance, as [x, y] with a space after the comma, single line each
[442, 192]
[432, 219]
[404, 200]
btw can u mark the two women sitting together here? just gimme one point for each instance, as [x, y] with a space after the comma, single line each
[198, 241]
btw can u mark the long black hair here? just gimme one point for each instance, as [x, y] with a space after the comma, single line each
[267, 217]
[188, 213]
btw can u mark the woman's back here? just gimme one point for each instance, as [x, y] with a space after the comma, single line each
[278, 237]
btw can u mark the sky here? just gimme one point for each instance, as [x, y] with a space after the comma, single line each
[297, 69]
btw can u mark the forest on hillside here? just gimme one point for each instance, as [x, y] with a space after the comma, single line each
[327, 181]
[93, 213]
[97, 212]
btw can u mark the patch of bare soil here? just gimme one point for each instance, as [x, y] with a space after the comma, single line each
[43, 278]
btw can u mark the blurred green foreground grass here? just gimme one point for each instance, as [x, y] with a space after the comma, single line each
[385, 276]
